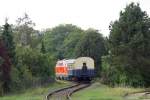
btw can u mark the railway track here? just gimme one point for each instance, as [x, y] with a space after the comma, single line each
[65, 93]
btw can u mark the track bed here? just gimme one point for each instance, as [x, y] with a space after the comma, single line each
[65, 93]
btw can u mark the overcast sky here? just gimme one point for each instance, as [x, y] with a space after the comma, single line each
[84, 13]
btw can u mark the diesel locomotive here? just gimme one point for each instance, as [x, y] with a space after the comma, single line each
[81, 68]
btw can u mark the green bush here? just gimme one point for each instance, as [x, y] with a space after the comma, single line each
[115, 74]
[32, 69]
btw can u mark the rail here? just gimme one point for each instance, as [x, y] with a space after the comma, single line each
[65, 93]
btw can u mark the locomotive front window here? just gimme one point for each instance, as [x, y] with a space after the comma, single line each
[60, 64]
[84, 64]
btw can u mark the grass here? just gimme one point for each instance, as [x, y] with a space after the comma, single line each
[101, 92]
[96, 91]
[35, 93]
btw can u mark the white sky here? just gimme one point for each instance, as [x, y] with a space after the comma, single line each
[84, 13]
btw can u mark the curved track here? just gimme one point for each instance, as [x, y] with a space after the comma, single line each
[65, 93]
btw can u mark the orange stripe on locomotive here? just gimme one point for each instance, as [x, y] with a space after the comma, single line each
[61, 70]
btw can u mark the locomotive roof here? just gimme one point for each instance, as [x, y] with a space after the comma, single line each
[67, 60]
[70, 60]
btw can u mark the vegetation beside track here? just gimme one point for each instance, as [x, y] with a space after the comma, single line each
[99, 91]
[96, 91]
[36, 93]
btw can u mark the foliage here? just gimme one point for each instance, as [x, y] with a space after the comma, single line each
[92, 45]
[1, 30]
[24, 32]
[54, 40]
[33, 68]
[71, 42]
[5, 69]
[7, 52]
[1, 61]
[129, 47]
[43, 50]
[7, 36]
[37, 63]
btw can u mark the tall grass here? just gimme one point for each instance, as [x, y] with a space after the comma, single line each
[37, 93]
[102, 92]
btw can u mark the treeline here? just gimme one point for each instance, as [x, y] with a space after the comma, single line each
[128, 59]
[22, 63]
[28, 56]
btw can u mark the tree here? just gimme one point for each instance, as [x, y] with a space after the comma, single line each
[1, 30]
[92, 45]
[5, 69]
[8, 54]
[129, 47]
[71, 42]
[7, 36]
[37, 63]
[1, 61]
[54, 39]
[43, 50]
[24, 31]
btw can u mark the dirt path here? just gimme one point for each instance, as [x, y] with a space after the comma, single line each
[138, 96]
